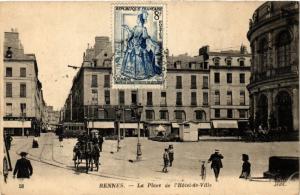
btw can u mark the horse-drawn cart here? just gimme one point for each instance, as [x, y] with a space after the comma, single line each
[87, 152]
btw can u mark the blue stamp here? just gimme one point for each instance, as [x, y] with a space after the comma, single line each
[138, 46]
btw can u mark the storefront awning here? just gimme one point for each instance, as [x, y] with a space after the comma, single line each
[175, 125]
[131, 125]
[225, 124]
[203, 125]
[17, 124]
[101, 125]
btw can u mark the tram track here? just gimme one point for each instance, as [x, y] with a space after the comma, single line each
[55, 163]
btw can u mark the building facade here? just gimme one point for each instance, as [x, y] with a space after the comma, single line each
[229, 98]
[187, 97]
[23, 95]
[274, 84]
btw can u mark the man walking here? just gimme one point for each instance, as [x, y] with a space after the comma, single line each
[61, 139]
[216, 163]
[23, 167]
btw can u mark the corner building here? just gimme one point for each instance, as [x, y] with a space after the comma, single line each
[186, 98]
[23, 96]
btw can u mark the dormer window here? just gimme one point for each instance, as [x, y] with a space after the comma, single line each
[177, 64]
[228, 61]
[216, 61]
[8, 53]
[192, 65]
[241, 61]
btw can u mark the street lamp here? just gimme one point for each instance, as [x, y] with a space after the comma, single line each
[22, 113]
[86, 124]
[138, 112]
[118, 116]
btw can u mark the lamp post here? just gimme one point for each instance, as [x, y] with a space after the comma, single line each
[118, 116]
[86, 124]
[138, 112]
[22, 113]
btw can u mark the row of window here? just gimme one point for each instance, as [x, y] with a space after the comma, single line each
[163, 98]
[228, 77]
[134, 98]
[8, 110]
[95, 81]
[229, 97]
[282, 47]
[9, 71]
[228, 61]
[191, 65]
[193, 82]
[242, 113]
[217, 79]
[9, 90]
[178, 115]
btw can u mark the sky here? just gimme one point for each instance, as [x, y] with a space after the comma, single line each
[58, 33]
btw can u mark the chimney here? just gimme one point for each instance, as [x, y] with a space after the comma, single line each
[100, 44]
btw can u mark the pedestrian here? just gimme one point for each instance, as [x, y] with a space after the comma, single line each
[203, 170]
[171, 154]
[5, 169]
[166, 160]
[23, 167]
[8, 140]
[100, 141]
[61, 138]
[246, 168]
[216, 163]
[27, 133]
[35, 142]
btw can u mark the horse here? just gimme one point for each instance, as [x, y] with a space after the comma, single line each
[94, 156]
[82, 151]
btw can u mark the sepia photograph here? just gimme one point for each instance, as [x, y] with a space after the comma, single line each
[149, 97]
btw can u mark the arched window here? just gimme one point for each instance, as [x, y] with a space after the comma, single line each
[283, 49]
[263, 54]
[200, 115]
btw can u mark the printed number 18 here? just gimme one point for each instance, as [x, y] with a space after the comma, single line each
[156, 15]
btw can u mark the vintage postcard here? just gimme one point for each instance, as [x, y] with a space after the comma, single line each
[149, 97]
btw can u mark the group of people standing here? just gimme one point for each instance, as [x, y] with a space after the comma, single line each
[168, 158]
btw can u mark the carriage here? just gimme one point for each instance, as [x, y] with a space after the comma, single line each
[86, 151]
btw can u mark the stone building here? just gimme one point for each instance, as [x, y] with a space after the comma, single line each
[229, 73]
[23, 95]
[274, 83]
[187, 97]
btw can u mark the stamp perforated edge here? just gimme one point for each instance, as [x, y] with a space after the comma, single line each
[164, 59]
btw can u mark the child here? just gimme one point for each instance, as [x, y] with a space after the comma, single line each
[203, 170]
[166, 160]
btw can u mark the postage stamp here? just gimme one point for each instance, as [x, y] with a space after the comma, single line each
[138, 45]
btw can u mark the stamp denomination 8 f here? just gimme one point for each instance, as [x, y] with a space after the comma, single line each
[138, 46]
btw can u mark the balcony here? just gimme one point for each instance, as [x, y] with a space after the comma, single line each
[274, 73]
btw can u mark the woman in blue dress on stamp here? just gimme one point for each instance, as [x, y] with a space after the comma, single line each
[139, 59]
